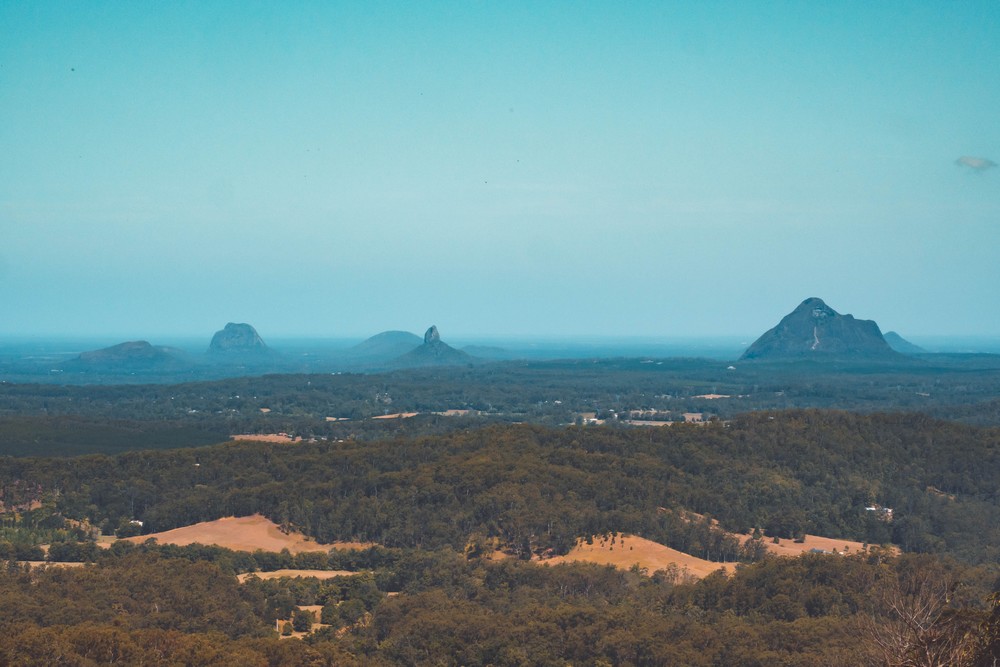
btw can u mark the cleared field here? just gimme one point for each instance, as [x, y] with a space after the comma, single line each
[45, 563]
[277, 574]
[266, 437]
[397, 415]
[827, 544]
[244, 533]
[629, 550]
[316, 609]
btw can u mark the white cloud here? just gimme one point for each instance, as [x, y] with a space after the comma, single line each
[975, 163]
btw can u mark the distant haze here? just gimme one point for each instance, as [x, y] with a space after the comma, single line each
[498, 169]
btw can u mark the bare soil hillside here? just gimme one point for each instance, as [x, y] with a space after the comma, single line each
[629, 550]
[244, 533]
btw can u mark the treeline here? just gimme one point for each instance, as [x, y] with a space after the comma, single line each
[143, 607]
[538, 392]
[71, 435]
[537, 490]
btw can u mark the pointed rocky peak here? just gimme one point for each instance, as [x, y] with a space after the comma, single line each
[434, 352]
[238, 338]
[815, 308]
[815, 330]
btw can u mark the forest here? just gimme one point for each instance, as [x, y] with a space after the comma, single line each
[462, 509]
[153, 606]
[62, 420]
[537, 489]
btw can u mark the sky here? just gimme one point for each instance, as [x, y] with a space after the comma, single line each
[497, 168]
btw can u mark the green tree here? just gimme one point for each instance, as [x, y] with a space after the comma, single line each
[302, 620]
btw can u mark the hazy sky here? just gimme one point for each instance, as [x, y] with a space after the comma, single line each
[338, 169]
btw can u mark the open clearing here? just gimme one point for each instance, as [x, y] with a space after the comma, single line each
[629, 550]
[45, 563]
[277, 574]
[397, 415]
[266, 437]
[827, 544]
[244, 533]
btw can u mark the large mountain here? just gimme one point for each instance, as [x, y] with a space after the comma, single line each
[814, 330]
[237, 339]
[433, 352]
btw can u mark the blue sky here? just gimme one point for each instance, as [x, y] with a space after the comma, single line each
[338, 169]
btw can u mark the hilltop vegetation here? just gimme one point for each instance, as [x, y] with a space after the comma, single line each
[441, 504]
[538, 489]
[162, 606]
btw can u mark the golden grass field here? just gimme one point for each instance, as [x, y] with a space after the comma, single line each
[277, 574]
[629, 550]
[828, 544]
[250, 533]
[266, 437]
[45, 563]
[244, 533]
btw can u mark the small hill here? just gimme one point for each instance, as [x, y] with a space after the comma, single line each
[814, 330]
[385, 346]
[901, 345]
[629, 550]
[243, 533]
[491, 352]
[433, 352]
[237, 339]
[131, 354]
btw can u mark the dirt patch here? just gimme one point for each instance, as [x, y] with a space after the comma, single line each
[244, 533]
[397, 415]
[277, 574]
[317, 611]
[45, 563]
[266, 437]
[629, 550]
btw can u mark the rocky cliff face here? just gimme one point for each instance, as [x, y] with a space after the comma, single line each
[237, 338]
[816, 331]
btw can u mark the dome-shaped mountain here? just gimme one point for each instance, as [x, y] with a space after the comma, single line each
[237, 339]
[433, 352]
[136, 353]
[902, 345]
[816, 331]
[384, 346]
